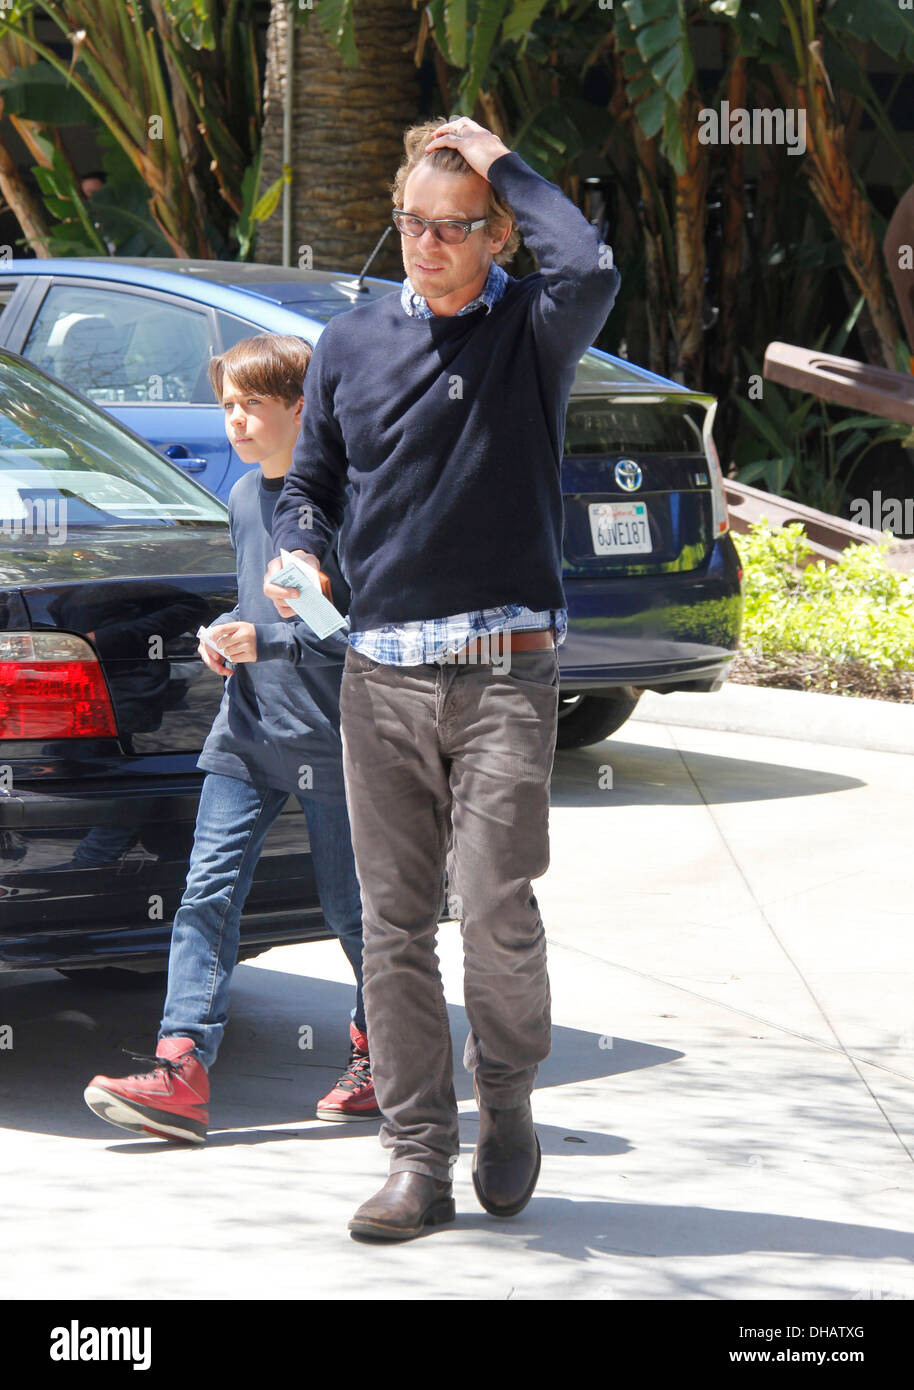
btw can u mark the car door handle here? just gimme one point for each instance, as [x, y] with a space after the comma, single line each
[179, 455]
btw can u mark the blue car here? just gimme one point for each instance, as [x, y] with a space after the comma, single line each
[651, 575]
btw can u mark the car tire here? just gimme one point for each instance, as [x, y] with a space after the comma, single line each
[116, 977]
[586, 719]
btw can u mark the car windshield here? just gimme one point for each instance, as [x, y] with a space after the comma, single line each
[60, 455]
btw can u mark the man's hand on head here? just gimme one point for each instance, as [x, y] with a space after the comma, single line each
[479, 147]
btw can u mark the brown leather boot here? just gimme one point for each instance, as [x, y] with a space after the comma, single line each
[506, 1163]
[406, 1204]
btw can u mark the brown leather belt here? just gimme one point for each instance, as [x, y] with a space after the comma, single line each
[494, 643]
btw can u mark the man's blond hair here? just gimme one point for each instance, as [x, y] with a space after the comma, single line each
[451, 161]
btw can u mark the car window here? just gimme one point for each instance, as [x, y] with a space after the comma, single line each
[7, 289]
[232, 329]
[118, 348]
[63, 459]
[594, 426]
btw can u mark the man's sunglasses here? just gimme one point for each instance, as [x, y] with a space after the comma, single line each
[446, 229]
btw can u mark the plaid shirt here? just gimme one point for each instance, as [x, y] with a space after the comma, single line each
[416, 305]
[433, 639]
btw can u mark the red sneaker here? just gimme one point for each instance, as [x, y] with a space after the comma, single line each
[169, 1102]
[353, 1097]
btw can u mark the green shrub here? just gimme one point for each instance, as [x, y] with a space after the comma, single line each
[858, 610]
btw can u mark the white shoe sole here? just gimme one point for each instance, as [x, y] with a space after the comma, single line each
[334, 1116]
[119, 1112]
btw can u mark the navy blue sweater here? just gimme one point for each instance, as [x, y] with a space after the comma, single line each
[450, 430]
[279, 721]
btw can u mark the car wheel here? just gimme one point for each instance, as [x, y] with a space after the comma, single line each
[116, 977]
[585, 719]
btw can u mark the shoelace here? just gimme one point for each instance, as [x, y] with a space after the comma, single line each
[158, 1063]
[357, 1074]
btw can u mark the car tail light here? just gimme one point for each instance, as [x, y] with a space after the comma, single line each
[719, 519]
[51, 686]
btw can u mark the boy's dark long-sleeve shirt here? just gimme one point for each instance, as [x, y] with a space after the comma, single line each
[279, 721]
[449, 430]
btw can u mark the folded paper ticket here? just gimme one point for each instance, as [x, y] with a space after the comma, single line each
[206, 635]
[318, 612]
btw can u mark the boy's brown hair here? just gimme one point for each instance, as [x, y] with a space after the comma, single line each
[451, 161]
[269, 364]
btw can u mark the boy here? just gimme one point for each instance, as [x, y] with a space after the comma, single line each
[278, 727]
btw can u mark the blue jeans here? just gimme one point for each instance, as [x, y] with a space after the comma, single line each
[232, 823]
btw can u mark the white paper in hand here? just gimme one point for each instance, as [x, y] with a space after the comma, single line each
[207, 635]
[318, 612]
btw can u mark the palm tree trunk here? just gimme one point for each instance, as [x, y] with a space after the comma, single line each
[26, 208]
[657, 272]
[629, 232]
[838, 192]
[347, 130]
[733, 221]
[691, 188]
[24, 205]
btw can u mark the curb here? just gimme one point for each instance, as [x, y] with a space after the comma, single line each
[807, 716]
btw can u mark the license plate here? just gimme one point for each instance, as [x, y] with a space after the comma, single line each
[620, 528]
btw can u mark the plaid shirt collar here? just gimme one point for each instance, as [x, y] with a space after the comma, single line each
[416, 305]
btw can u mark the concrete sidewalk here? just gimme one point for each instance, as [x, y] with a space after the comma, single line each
[727, 1111]
[882, 725]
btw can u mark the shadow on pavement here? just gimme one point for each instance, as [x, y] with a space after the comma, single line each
[635, 774]
[65, 1032]
[580, 1230]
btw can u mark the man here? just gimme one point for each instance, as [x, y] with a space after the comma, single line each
[443, 409]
